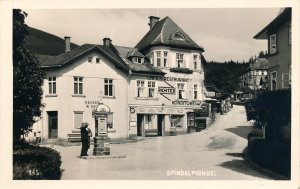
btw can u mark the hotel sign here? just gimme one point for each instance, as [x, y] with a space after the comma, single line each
[166, 90]
[186, 103]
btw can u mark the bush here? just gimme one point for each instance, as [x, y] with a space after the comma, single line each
[34, 162]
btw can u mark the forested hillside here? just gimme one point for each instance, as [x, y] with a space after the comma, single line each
[223, 76]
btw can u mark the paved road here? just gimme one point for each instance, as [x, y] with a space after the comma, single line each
[213, 154]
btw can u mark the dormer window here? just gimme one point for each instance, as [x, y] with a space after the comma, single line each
[273, 44]
[137, 60]
[178, 36]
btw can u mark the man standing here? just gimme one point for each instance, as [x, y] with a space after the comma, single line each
[85, 138]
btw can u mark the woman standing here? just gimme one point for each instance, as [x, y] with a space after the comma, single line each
[85, 138]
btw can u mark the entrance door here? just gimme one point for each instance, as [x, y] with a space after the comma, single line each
[140, 128]
[52, 123]
[160, 124]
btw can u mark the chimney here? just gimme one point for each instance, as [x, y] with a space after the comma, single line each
[106, 42]
[152, 21]
[67, 43]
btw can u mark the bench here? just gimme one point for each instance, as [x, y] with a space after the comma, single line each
[151, 132]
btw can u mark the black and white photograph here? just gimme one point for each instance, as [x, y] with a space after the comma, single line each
[199, 95]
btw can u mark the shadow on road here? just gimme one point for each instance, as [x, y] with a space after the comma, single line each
[241, 131]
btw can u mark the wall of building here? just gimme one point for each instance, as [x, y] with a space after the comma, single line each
[66, 103]
[280, 62]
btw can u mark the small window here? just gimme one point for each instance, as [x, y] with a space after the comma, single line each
[158, 58]
[195, 60]
[78, 85]
[52, 85]
[165, 58]
[181, 91]
[108, 87]
[137, 60]
[195, 92]
[141, 88]
[97, 60]
[179, 60]
[90, 59]
[285, 80]
[151, 89]
[273, 44]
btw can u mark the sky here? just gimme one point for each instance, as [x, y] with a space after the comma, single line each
[225, 33]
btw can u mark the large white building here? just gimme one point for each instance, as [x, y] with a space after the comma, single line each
[149, 89]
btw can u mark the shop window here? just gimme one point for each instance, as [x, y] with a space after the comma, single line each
[181, 91]
[176, 120]
[158, 58]
[108, 88]
[179, 60]
[273, 44]
[78, 85]
[52, 85]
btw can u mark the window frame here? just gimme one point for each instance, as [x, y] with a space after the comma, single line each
[180, 57]
[183, 89]
[110, 87]
[195, 89]
[165, 62]
[52, 87]
[140, 84]
[273, 42]
[79, 85]
[195, 61]
[158, 58]
[151, 85]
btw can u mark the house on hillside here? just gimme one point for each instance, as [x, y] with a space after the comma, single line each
[146, 90]
[278, 33]
[255, 78]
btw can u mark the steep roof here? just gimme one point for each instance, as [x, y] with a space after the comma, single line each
[116, 54]
[146, 67]
[283, 16]
[167, 33]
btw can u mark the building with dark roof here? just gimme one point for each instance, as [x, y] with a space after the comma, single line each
[278, 33]
[146, 90]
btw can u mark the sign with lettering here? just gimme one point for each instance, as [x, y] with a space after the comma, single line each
[176, 79]
[210, 94]
[166, 90]
[186, 103]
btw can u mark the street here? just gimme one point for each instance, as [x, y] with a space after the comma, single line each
[213, 154]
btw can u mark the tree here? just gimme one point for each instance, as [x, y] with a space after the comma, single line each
[27, 79]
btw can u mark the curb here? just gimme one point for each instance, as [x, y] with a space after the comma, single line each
[271, 173]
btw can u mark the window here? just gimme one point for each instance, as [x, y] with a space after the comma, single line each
[97, 60]
[52, 85]
[151, 89]
[78, 119]
[108, 87]
[273, 47]
[151, 58]
[181, 91]
[137, 60]
[195, 57]
[273, 81]
[179, 60]
[109, 122]
[158, 58]
[90, 59]
[141, 89]
[178, 36]
[195, 96]
[290, 34]
[285, 80]
[78, 85]
[165, 58]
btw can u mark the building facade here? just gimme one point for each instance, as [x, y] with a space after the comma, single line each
[278, 33]
[148, 90]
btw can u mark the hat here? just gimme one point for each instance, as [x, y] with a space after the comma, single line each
[84, 124]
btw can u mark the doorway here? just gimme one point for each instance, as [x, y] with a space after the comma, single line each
[140, 125]
[53, 124]
[161, 124]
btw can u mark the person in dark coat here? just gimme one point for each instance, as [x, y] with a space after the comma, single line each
[85, 138]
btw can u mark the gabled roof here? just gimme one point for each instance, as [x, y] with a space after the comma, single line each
[116, 54]
[73, 55]
[284, 15]
[167, 33]
[260, 64]
[145, 67]
[135, 53]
